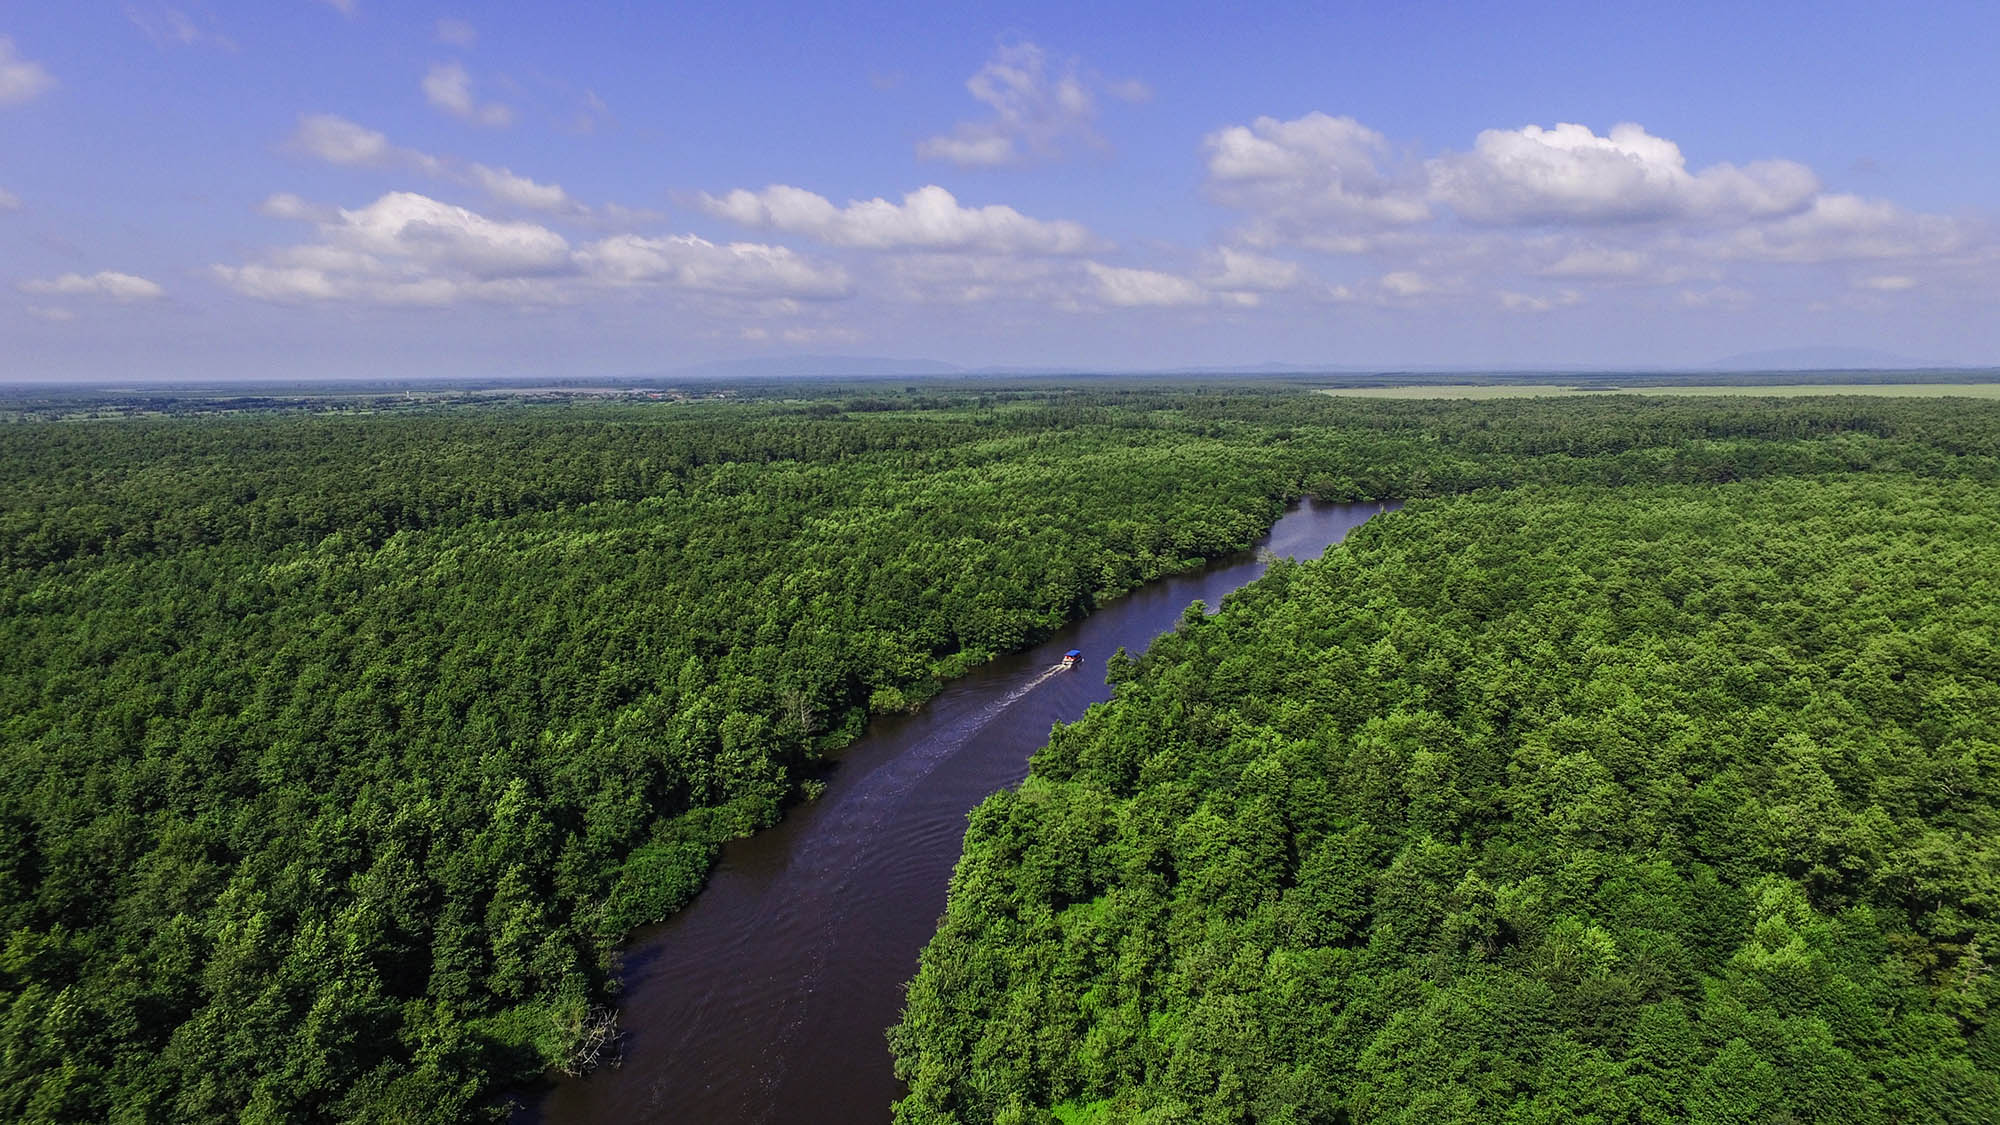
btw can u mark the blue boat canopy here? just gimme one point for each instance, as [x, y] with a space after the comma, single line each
[1073, 654]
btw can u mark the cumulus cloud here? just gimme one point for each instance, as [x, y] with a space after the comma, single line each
[1569, 174]
[1532, 303]
[1326, 181]
[1130, 90]
[1137, 288]
[457, 33]
[1842, 227]
[168, 26]
[344, 7]
[106, 284]
[1405, 283]
[1714, 297]
[1318, 180]
[448, 86]
[21, 80]
[53, 313]
[336, 140]
[1886, 283]
[1597, 261]
[1245, 271]
[416, 227]
[1039, 105]
[741, 269]
[9, 201]
[929, 218]
[285, 205]
[520, 191]
[1227, 276]
[1624, 208]
[981, 278]
[591, 111]
[407, 248]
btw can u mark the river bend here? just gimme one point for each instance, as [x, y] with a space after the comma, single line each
[766, 999]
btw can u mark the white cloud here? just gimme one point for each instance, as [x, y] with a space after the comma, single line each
[107, 284]
[591, 112]
[344, 7]
[405, 225]
[1321, 180]
[1135, 288]
[520, 191]
[457, 33]
[1228, 276]
[21, 80]
[1886, 283]
[336, 140]
[280, 283]
[1243, 270]
[1522, 206]
[1317, 180]
[1039, 106]
[1597, 261]
[929, 218]
[9, 201]
[980, 278]
[1715, 297]
[1844, 227]
[285, 205]
[406, 248]
[617, 216]
[742, 269]
[1130, 90]
[449, 87]
[1569, 174]
[52, 313]
[1405, 283]
[1531, 303]
[970, 151]
[168, 26]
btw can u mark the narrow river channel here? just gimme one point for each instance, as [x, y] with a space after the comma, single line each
[767, 998]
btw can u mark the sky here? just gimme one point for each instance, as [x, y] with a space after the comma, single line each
[286, 189]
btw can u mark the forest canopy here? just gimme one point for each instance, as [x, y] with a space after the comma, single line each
[338, 753]
[1553, 804]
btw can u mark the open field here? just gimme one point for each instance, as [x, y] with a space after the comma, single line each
[1554, 390]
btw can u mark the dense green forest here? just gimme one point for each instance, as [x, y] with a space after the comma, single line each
[1556, 804]
[338, 752]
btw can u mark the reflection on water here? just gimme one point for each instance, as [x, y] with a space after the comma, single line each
[766, 999]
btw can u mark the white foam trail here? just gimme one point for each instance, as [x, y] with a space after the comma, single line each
[823, 885]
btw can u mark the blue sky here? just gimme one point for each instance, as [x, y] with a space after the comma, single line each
[290, 188]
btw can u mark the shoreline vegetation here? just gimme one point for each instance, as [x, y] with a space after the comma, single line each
[1478, 391]
[343, 751]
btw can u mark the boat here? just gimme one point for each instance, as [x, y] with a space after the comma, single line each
[1072, 658]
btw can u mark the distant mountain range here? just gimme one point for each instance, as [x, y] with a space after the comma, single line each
[1822, 359]
[786, 366]
[1782, 359]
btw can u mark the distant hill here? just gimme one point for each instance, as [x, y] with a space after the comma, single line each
[1822, 359]
[783, 366]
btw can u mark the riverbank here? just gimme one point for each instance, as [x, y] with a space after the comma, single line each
[767, 997]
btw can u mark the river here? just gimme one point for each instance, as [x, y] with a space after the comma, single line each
[766, 999]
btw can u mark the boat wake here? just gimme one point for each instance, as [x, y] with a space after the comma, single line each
[895, 780]
[820, 889]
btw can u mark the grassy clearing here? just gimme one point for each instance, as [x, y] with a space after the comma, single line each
[1556, 390]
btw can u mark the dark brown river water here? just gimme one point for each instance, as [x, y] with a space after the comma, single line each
[767, 998]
